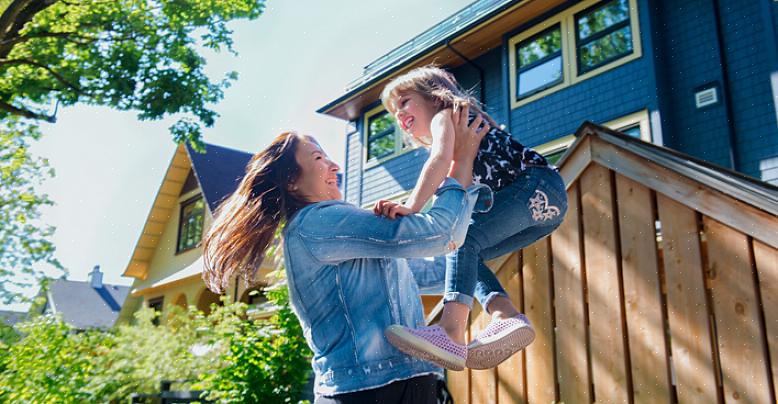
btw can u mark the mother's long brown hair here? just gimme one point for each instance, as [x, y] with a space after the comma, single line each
[246, 222]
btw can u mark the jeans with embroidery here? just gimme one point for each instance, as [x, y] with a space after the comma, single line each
[529, 209]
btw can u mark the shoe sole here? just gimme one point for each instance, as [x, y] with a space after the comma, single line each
[491, 354]
[421, 348]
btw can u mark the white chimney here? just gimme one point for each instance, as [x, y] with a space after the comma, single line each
[96, 277]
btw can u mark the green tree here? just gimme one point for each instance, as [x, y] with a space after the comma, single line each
[125, 54]
[24, 243]
[139, 55]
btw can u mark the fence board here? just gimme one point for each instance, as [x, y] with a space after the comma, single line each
[767, 267]
[510, 374]
[483, 387]
[642, 299]
[738, 324]
[686, 304]
[609, 372]
[541, 386]
[571, 348]
[458, 383]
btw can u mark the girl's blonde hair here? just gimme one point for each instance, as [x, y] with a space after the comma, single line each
[436, 85]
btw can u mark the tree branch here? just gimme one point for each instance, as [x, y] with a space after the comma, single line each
[26, 112]
[9, 15]
[51, 71]
[17, 15]
[64, 35]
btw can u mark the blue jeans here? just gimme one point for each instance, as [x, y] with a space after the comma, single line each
[523, 212]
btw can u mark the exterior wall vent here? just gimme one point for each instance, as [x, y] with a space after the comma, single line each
[708, 96]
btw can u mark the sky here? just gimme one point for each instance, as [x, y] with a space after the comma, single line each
[292, 60]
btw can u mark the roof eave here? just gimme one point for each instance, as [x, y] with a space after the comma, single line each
[338, 108]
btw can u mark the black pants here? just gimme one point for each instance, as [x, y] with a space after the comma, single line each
[422, 390]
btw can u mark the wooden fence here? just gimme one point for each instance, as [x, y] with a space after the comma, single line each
[639, 298]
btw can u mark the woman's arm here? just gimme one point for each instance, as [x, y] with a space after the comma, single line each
[338, 232]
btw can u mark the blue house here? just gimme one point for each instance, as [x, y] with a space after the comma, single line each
[697, 76]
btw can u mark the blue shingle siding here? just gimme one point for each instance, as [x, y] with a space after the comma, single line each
[353, 168]
[680, 54]
[689, 57]
[493, 90]
[393, 176]
[623, 90]
[753, 110]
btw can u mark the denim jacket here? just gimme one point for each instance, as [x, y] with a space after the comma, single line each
[348, 281]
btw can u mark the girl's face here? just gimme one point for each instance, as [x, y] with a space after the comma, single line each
[414, 114]
[318, 179]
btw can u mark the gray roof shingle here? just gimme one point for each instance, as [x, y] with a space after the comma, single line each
[83, 306]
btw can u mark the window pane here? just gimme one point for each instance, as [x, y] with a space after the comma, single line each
[191, 224]
[553, 157]
[382, 136]
[380, 123]
[633, 131]
[540, 76]
[606, 48]
[542, 46]
[603, 17]
[381, 147]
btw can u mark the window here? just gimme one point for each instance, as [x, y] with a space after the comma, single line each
[156, 305]
[580, 42]
[635, 124]
[555, 149]
[539, 62]
[190, 228]
[603, 34]
[383, 138]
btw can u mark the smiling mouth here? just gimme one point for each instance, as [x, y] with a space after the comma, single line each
[332, 181]
[407, 123]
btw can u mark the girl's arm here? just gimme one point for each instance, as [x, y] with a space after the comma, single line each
[437, 165]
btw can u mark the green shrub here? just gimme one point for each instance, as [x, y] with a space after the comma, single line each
[231, 358]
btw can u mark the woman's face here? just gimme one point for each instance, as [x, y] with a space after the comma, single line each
[318, 179]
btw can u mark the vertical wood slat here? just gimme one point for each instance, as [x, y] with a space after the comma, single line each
[642, 299]
[766, 259]
[541, 387]
[738, 325]
[571, 346]
[483, 386]
[687, 307]
[458, 383]
[510, 374]
[609, 372]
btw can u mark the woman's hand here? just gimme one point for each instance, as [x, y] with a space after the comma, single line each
[391, 209]
[467, 136]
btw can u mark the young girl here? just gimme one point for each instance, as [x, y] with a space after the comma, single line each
[530, 201]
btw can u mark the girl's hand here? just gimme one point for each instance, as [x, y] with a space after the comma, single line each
[467, 136]
[391, 209]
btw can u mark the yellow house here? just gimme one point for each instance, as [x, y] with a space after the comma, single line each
[167, 261]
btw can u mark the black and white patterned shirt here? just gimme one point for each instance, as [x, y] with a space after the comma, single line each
[501, 159]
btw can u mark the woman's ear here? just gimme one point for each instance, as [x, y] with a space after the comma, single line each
[292, 187]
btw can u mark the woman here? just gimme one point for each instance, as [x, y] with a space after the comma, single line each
[347, 277]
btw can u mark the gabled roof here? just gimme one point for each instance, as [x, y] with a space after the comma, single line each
[737, 200]
[470, 32]
[218, 172]
[83, 306]
[12, 317]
